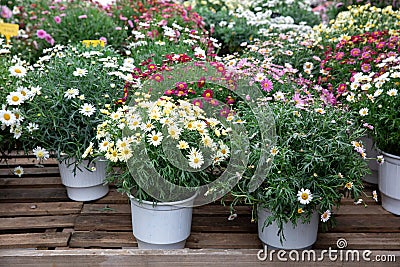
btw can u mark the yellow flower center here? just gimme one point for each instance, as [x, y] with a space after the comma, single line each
[18, 71]
[7, 117]
[300, 210]
[40, 154]
[15, 98]
[196, 160]
[155, 138]
[304, 196]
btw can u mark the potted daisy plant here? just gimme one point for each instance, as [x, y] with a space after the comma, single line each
[62, 96]
[317, 158]
[165, 146]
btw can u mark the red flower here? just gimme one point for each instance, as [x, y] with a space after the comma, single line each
[152, 67]
[207, 93]
[201, 82]
[158, 77]
[181, 85]
[230, 100]
[342, 88]
[197, 102]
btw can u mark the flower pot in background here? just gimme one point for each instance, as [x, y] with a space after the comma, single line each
[301, 236]
[84, 185]
[163, 225]
[372, 152]
[389, 183]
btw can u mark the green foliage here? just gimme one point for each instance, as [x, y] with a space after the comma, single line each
[63, 128]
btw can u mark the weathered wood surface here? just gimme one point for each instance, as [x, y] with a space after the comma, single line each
[185, 257]
[36, 214]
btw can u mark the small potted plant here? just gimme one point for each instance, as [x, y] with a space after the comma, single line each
[64, 93]
[317, 158]
[166, 147]
[370, 91]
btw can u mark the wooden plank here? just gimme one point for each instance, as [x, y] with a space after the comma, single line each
[33, 194]
[15, 161]
[199, 224]
[372, 209]
[46, 171]
[39, 208]
[102, 240]
[241, 224]
[223, 241]
[160, 258]
[34, 240]
[113, 197]
[37, 181]
[367, 224]
[37, 222]
[207, 210]
[113, 209]
[103, 223]
[372, 241]
[195, 241]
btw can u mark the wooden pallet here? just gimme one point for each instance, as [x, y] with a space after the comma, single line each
[37, 218]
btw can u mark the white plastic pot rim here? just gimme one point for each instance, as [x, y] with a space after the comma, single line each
[174, 203]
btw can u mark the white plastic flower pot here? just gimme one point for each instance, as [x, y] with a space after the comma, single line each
[372, 152]
[84, 185]
[163, 226]
[301, 236]
[389, 183]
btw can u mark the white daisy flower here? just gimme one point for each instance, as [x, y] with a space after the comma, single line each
[279, 96]
[15, 98]
[308, 66]
[350, 97]
[392, 92]
[122, 144]
[112, 155]
[36, 90]
[259, 77]
[375, 195]
[274, 151]
[80, 72]
[182, 145]
[207, 141]
[125, 154]
[320, 110]
[32, 127]
[88, 151]
[7, 117]
[19, 171]
[147, 127]
[104, 145]
[71, 93]
[87, 109]
[41, 153]
[17, 71]
[195, 158]
[224, 150]
[174, 132]
[304, 196]
[325, 216]
[26, 93]
[363, 112]
[378, 92]
[155, 138]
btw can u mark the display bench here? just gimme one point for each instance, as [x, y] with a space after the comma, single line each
[40, 226]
